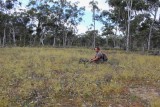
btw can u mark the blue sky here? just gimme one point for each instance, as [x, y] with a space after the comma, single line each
[87, 18]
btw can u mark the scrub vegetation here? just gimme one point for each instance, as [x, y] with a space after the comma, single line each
[53, 77]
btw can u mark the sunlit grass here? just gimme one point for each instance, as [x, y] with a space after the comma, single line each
[53, 77]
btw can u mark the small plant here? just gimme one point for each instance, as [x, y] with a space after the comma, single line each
[46, 77]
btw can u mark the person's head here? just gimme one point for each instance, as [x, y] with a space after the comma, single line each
[97, 49]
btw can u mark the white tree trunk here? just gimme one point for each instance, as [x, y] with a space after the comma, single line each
[54, 41]
[14, 37]
[65, 38]
[94, 34]
[129, 6]
[42, 40]
[143, 47]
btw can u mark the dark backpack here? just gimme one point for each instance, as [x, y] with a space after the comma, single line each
[104, 57]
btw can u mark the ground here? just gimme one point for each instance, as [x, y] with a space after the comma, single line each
[53, 77]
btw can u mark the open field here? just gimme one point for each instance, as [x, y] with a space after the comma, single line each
[52, 77]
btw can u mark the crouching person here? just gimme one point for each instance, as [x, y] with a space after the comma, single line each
[99, 57]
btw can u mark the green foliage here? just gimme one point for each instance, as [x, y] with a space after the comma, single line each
[142, 24]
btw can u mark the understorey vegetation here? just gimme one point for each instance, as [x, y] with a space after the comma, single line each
[53, 77]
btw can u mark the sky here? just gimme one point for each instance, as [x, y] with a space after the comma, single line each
[87, 18]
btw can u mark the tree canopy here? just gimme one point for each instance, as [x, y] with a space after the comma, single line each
[128, 24]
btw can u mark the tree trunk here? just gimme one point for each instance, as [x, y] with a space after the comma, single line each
[128, 29]
[42, 40]
[20, 40]
[10, 37]
[64, 45]
[150, 30]
[14, 37]
[71, 42]
[34, 40]
[114, 43]
[54, 41]
[4, 37]
[24, 41]
[94, 33]
[0, 42]
[107, 41]
[65, 38]
[129, 6]
[30, 40]
[149, 36]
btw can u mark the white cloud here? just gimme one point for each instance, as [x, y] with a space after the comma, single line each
[83, 3]
[101, 4]
[82, 28]
[158, 15]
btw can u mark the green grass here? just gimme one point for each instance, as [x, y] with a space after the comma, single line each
[52, 77]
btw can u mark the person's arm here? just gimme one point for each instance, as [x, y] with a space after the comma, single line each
[95, 59]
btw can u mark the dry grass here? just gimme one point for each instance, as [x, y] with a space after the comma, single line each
[52, 77]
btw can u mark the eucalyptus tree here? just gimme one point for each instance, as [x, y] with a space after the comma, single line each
[146, 12]
[75, 14]
[129, 10]
[113, 20]
[156, 35]
[3, 18]
[8, 10]
[3, 22]
[121, 14]
[125, 12]
[21, 22]
[118, 16]
[39, 11]
[2, 28]
[95, 9]
[67, 16]
[107, 30]
[153, 10]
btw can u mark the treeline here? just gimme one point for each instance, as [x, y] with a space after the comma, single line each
[138, 21]
[129, 24]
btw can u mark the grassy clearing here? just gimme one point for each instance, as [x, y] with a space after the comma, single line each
[48, 77]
